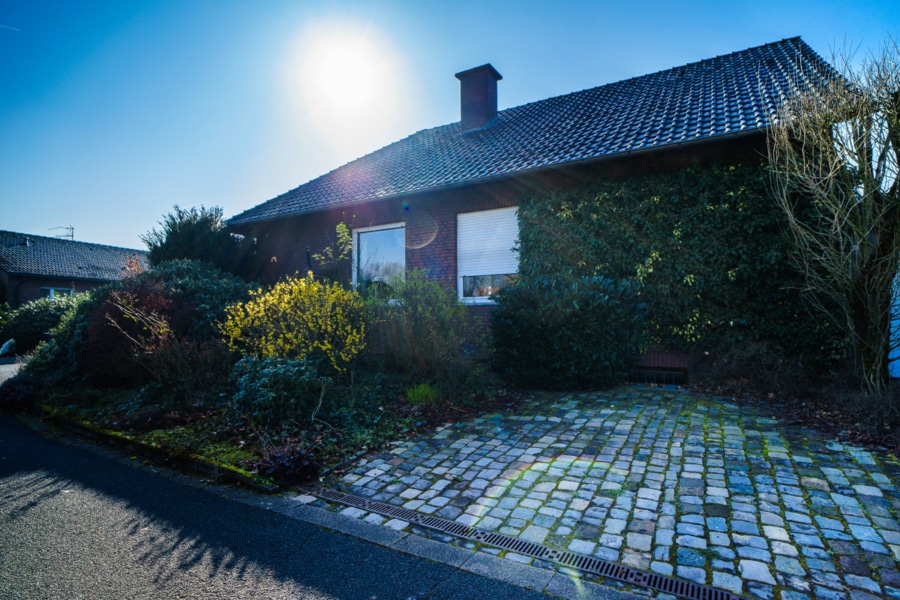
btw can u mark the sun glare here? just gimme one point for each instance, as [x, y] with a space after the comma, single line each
[344, 82]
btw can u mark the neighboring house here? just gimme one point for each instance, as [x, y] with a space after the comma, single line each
[33, 266]
[445, 199]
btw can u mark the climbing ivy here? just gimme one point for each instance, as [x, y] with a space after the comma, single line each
[707, 246]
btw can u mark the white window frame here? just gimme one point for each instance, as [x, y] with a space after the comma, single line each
[359, 230]
[461, 267]
[56, 292]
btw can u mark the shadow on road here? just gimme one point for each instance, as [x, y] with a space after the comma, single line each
[168, 530]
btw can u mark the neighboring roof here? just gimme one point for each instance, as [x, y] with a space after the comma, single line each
[38, 256]
[726, 95]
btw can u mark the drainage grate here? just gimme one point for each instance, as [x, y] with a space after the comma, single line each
[585, 564]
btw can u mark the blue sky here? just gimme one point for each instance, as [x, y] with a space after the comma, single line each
[113, 111]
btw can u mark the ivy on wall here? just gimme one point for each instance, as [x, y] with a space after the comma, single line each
[706, 244]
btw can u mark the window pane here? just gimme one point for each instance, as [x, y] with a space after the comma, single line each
[483, 286]
[381, 255]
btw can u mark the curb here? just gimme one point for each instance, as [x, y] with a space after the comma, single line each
[189, 462]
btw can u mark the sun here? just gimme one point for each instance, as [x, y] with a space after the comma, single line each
[344, 84]
[343, 72]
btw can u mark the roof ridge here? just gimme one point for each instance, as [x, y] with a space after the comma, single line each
[661, 71]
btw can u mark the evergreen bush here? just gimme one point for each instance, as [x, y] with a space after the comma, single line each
[568, 333]
[272, 392]
[30, 323]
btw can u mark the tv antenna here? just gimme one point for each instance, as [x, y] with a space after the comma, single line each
[69, 234]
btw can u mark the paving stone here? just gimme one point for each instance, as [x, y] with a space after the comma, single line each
[534, 534]
[760, 590]
[865, 583]
[582, 547]
[789, 566]
[773, 533]
[792, 595]
[587, 531]
[754, 553]
[823, 593]
[691, 542]
[755, 571]
[694, 574]
[636, 558]
[689, 557]
[690, 529]
[842, 547]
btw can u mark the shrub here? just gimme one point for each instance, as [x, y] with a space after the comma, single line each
[568, 333]
[275, 391]
[290, 463]
[201, 235]
[422, 331]
[336, 258]
[4, 311]
[30, 323]
[135, 320]
[59, 358]
[301, 319]
[157, 326]
[205, 288]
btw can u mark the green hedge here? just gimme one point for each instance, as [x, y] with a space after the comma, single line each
[706, 245]
[558, 333]
[30, 323]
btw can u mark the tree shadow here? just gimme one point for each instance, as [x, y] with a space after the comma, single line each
[172, 530]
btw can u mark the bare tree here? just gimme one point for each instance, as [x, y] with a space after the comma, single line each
[834, 154]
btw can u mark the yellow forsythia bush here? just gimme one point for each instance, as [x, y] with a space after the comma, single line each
[296, 317]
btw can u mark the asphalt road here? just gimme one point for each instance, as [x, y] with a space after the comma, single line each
[7, 370]
[78, 524]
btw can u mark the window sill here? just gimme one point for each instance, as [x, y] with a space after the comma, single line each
[479, 301]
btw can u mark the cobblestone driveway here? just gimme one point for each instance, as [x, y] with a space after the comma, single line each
[665, 481]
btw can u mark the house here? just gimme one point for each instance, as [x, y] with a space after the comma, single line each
[33, 266]
[444, 199]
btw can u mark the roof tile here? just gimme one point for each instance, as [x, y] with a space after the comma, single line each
[34, 255]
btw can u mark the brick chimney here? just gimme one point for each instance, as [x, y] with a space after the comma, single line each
[478, 96]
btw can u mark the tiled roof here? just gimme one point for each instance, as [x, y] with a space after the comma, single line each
[729, 94]
[34, 255]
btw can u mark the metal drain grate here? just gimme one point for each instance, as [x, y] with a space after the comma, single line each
[586, 564]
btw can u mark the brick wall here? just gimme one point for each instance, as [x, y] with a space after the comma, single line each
[430, 219]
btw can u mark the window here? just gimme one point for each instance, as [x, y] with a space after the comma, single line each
[56, 292]
[379, 253]
[486, 257]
